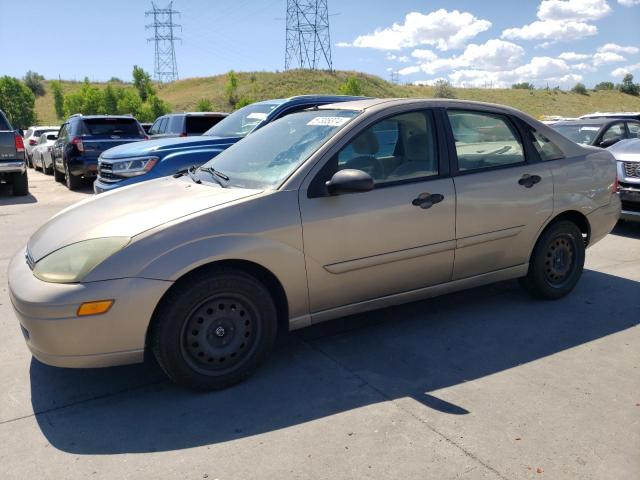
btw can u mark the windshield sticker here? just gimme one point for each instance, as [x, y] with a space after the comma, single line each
[257, 116]
[590, 129]
[329, 121]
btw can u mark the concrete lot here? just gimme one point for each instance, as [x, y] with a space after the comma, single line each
[486, 383]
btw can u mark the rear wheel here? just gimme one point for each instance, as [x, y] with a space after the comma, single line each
[214, 329]
[557, 261]
[73, 182]
[58, 176]
[20, 184]
[45, 169]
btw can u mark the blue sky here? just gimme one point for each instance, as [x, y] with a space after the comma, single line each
[471, 43]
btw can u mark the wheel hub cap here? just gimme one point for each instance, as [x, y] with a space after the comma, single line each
[559, 260]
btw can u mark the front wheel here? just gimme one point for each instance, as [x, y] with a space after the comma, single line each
[557, 262]
[214, 329]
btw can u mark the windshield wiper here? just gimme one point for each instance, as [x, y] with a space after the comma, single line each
[190, 171]
[217, 175]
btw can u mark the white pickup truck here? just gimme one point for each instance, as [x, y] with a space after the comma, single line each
[13, 167]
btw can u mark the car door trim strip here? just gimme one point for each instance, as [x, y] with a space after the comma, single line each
[488, 237]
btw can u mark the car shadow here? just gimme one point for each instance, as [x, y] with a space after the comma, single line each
[7, 197]
[406, 351]
[627, 229]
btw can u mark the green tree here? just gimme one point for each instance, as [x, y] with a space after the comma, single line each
[231, 88]
[604, 86]
[523, 86]
[443, 89]
[129, 103]
[35, 82]
[17, 101]
[204, 105]
[58, 98]
[142, 82]
[580, 89]
[628, 86]
[111, 99]
[157, 107]
[351, 86]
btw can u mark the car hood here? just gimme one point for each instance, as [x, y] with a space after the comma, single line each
[129, 211]
[165, 144]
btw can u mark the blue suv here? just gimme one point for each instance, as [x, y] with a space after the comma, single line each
[129, 164]
[81, 140]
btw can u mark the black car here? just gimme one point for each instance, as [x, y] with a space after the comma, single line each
[83, 138]
[185, 124]
[598, 132]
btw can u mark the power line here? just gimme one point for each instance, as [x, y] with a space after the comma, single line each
[308, 42]
[166, 67]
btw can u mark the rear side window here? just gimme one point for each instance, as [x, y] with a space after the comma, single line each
[200, 124]
[614, 132]
[634, 130]
[121, 127]
[484, 140]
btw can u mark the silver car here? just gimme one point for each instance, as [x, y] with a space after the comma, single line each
[327, 212]
[627, 153]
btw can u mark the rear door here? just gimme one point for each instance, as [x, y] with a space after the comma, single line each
[504, 193]
[392, 239]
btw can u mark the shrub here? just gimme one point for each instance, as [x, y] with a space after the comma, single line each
[204, 105]
[580, 89]
[443, 89]
[243, 102]
[58, 98]
[604, 86]
[523, 86]
[351, 86]
[231, 88]
[142, 82]
[628, 86]
[35, 83]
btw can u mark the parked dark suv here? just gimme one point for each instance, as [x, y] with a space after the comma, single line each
[83, 138]
[185, 124]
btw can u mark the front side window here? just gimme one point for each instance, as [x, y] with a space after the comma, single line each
[267, 157]
[634, 130]
[614, 132]
[484, 140]
[398, 148]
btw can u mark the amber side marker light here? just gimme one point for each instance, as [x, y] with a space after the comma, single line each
[94, 308]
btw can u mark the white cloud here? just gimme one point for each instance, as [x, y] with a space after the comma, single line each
[492, 55]
[551, 30]
[583, 67]
[396, 58]
[601, 58]
[629, 3]
[576, 10]
[622, 71]
[409, 70]
[573, 56]
[561, 20]
[443, 29]
[615, 48]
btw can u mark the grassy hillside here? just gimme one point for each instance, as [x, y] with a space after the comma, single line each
[183, 95]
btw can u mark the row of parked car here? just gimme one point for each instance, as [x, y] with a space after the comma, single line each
[302, 210]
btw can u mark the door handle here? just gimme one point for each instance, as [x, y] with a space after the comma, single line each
[529, 181]
[427, 200]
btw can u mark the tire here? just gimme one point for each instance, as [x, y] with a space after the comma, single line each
[57, 175]
[213, 329]
[556, 263]
[45, 169]
[36, 166]
[73, 182]
[29, 160]
[20, 184]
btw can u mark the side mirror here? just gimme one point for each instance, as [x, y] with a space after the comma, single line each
[609, 143]
[349, 181]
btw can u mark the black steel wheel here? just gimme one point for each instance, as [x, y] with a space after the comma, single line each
[213, 328]
[557, 261]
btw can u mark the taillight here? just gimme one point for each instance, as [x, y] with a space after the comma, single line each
[19, 144]
[33, 142]
[77, 141]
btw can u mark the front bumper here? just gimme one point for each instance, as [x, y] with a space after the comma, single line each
[630, 196]
[57, 336]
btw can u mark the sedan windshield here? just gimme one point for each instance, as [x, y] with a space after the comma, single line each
[579, 132]
[267, 157]
[242, 122]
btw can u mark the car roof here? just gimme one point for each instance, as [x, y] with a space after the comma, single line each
[600, 121]
[203, 114]
[93, 117]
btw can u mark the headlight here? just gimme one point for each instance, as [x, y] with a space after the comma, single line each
[73, 262]
[133, 167]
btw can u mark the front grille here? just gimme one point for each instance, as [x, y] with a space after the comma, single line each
[105, 173]
[632, 169]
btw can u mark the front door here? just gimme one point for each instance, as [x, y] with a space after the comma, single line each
[394, 238]
[504, 195]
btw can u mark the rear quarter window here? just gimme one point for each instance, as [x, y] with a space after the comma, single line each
[175, 124]
[200, 124]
